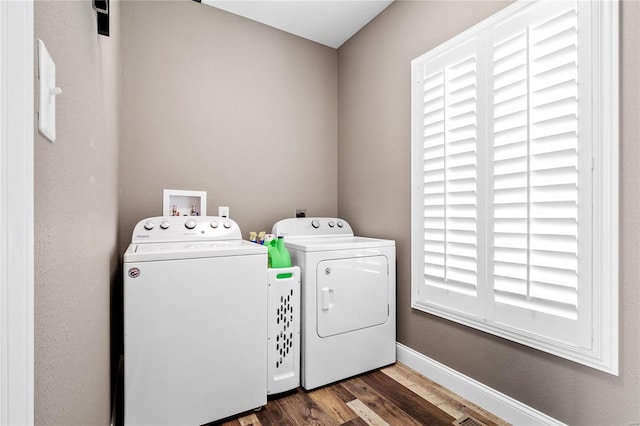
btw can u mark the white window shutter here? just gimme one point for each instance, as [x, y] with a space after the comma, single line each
[449, 127]
[536, 212]
[515, 178]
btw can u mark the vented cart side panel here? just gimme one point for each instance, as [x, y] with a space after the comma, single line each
[284, 330]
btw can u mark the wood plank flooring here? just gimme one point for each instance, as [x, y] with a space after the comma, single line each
[394, 395]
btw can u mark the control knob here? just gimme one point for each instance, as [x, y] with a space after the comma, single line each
[149, 225]
[164, 224]
[190, 224]
[331, 224]
[315, 223]
[227, 224]
[340, 224]
[214, 224]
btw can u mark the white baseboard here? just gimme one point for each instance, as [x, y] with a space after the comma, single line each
[491, 400]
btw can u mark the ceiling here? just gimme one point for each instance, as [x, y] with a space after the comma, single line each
[328, 22]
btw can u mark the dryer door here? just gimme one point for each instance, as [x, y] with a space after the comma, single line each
[351, 294]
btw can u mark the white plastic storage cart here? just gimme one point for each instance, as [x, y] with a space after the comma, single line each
[284, 330]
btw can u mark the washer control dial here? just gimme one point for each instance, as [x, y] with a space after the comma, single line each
[340, 224]
[331, 224]
[227, 224]
[315, 223]
[190, 224]
[149, 225]
[164, 224]
[214, 224]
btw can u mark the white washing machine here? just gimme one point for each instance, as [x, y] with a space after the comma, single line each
[348, 298]
[195, 332]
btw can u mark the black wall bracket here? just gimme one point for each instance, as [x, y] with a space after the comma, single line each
[102, 12]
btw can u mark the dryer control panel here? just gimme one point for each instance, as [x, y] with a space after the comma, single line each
[312, 227]
[185, 228]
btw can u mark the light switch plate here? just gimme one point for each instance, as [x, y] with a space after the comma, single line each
[223, 211]
[48, 93]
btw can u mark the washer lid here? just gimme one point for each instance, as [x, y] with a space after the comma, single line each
[147, 252]
[335, 243]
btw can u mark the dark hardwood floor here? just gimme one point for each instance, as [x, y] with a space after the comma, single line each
[394, 395]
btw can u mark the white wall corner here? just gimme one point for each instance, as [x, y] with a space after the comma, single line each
[503, 406]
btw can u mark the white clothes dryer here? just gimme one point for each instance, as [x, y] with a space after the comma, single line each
[195, 334]
[348, 298]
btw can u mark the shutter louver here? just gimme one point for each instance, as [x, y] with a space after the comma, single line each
[535, 160]
[450, 184]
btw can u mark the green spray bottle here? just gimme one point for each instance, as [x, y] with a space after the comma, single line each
[279, 256]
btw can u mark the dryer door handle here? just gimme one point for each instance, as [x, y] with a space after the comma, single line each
[327, 298]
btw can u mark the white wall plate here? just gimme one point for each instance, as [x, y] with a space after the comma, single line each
[48, 93]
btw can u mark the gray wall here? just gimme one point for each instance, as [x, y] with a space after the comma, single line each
[76, 210]
[374, 194]
[215, 102]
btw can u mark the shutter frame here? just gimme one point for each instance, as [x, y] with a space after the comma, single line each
[601, 20]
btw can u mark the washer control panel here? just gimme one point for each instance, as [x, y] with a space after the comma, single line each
[312, 226]
[185, 228]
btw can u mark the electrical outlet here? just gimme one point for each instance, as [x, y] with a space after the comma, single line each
[223, 211]
[301, 212]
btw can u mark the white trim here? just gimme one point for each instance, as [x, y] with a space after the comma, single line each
[16, 212]
[503, 406]
[606, 183]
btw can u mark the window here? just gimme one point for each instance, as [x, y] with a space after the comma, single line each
[515, 178]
